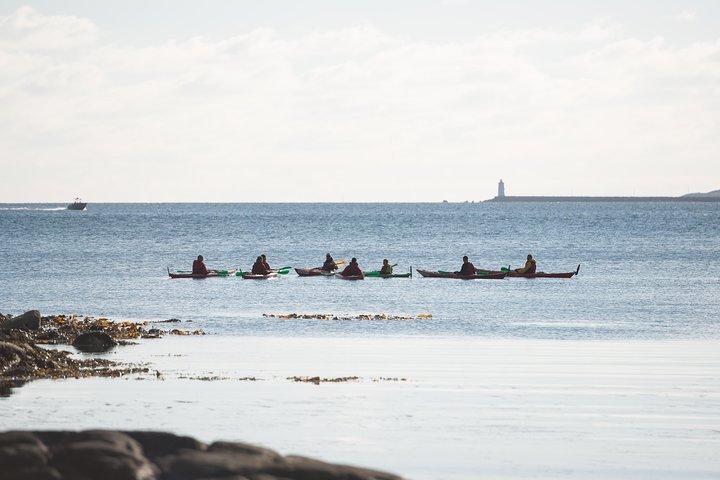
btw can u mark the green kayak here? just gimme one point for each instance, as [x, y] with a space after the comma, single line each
[376, 273]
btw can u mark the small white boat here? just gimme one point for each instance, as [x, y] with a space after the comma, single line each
[78, 204]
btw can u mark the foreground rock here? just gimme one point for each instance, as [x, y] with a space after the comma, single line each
[112, 455]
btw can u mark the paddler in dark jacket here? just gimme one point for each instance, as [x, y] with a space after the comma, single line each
[329, 264]
[199, 267]
[265, 262]
[259, 267]
[352, 270]
[386, 268]
[530, 266]
[467, 267]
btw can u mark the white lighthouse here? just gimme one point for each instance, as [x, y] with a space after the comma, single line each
[501, 189]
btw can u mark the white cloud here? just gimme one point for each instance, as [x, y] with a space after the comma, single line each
[686, 16]
[546, 107]
[26, 29]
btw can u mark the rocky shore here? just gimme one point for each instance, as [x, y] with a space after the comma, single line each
[115, 455]
[22, 360]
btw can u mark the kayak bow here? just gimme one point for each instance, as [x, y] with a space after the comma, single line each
[512, 273]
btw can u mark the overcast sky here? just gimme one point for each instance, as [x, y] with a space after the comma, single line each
[363, 101]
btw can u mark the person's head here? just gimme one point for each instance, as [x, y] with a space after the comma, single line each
[200, 258]
[328, 256]
[263, 256]
[465, 259]
[529, 257]
[385, 261]
[259, 259]
[353, 260]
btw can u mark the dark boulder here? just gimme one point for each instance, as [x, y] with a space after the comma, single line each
[156, 444]
[27, 321]
[112, 455]
[93, 342]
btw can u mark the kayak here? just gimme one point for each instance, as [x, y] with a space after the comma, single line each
[218, 273]
[313, 272]
[544, 275]
[376, 273]
[483, 271]
[489, 276]
[257, 276]
[350, 277]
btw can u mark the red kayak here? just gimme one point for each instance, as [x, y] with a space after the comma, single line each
[489, 276]
[483, 271]
[544, 275]
[350, 277]
[313, 272]
[192, 275]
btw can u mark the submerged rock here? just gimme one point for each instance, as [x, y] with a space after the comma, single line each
[27, 321]
[94, 342]
[111, 455]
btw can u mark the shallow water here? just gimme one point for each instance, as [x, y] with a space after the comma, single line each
[469, 408]
[649, 270]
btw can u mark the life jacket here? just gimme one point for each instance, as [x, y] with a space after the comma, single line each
[199, 268]
[259, 269]
[386, 270]
[530, 266]
[352, 270]
[467, 269]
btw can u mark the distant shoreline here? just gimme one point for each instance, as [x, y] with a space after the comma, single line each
[603, 199]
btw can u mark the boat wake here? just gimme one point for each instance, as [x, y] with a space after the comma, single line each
[31, 209]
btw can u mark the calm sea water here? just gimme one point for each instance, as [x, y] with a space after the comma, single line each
[649, 270]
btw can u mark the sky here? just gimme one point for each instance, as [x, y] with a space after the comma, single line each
[372, 101]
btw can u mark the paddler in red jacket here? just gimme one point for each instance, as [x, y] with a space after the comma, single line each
[352, 270]
[467, 267]
[199, 267]
[530, 266]
[259, 268]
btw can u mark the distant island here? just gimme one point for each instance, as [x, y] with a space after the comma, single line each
[713, 196]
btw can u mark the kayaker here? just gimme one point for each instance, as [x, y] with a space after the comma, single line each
[265, 262]
[329, 264]
[259, 267]
[467, 267]
[199, 267]
[530, 266]
[352, 270]
[386, 268]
